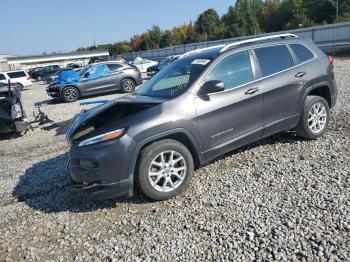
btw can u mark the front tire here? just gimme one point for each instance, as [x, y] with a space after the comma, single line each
[70, 94]
[165, 169]
[128, 85]
[314, 118]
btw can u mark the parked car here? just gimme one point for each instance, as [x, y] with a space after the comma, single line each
[94, 79]
[152, 70]
[12, 115]
[46, 71]
[206, 103]
[32, 72]
[19, 77]
[143, 64]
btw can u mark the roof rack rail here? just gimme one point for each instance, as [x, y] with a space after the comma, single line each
[199, 50]
[257, 39]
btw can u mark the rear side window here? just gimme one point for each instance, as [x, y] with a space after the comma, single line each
[2, 77]
[274, 59]
[234, 70]
[114, 67]
[302, 52]
[17, 74]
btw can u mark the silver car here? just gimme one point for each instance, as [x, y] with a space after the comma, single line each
[94, 79]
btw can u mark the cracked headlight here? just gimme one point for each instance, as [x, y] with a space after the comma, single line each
[103, 138]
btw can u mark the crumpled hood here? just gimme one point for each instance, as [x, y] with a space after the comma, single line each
[68, 77]
[135, 104]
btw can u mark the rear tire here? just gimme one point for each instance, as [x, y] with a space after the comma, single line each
[128, 85]
[165, 169]
[70, 94]
[314, 118]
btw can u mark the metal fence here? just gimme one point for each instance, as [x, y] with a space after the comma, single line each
[328, 37]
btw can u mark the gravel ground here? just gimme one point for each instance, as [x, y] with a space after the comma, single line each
[282, 198]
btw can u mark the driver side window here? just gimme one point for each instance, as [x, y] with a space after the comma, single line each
[234, 70]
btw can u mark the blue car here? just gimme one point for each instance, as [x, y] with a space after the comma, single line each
[94, 79]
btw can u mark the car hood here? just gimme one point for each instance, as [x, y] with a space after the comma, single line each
[68, 77]
[130, 104]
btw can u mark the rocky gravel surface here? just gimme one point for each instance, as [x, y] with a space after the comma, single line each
[282, 199]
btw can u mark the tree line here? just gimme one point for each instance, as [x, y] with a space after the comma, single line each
[245, 17]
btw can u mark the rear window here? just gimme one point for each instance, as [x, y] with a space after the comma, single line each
[17, 74]
[302, 52]
[2, 77]
[274, 59]
[114, 67]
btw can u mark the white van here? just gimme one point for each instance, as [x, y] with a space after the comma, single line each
[20, 77]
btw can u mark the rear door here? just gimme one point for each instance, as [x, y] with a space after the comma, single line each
[282, 84]
[18, 77]
[234, 116]
[116, 75]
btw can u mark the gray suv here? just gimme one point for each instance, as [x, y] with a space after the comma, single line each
[206, 103]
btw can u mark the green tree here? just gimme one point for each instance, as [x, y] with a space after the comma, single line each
[154, 37]
[241, 20]
[207, 23]
[166, 39]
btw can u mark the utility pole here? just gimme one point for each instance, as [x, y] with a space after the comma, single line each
[335, 3]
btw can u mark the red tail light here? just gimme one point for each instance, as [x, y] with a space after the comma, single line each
[28, 78]
[330, 59]
[13, 85]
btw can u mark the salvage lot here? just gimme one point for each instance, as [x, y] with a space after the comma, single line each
[281, 198]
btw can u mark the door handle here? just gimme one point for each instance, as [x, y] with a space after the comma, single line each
[300, 74]
[252, 91]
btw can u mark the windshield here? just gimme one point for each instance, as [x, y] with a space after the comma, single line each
[173, 80]
[165, 61]
[83, 70]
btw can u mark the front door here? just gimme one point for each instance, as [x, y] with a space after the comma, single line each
[233, 117]
[98, 80]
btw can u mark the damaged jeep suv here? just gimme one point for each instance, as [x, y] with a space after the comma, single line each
[204, 104]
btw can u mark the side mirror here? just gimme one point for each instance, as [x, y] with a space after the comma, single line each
[87, 74]
[212, 86]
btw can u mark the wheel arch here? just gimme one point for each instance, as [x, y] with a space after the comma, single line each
[70, 85]
[180, 134]
[127, 77]
[321, 89]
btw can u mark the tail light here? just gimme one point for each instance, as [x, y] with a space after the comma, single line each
[16, 111]
[13, 85]
[330, 59]
[28, 78]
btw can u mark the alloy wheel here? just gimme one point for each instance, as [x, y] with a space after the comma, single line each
[317, 118]
[71, 94]
[128, 85]
[167, 171]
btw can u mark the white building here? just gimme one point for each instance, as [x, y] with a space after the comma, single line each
[8, 62]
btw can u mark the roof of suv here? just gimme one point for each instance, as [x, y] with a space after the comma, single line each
[214, 51]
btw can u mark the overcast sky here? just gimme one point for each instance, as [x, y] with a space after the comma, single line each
[37, 26]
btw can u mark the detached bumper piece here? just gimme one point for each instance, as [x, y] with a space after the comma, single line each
[100, 190]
